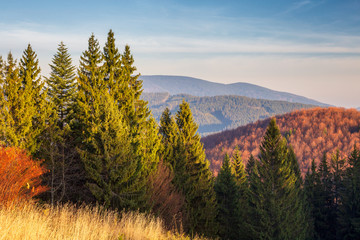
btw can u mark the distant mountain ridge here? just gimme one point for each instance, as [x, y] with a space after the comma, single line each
[218, 113]
[198, 87]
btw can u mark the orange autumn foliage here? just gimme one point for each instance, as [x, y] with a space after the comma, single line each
[311, 132]
[19, 176]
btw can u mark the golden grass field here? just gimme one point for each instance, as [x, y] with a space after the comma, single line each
[35, 222]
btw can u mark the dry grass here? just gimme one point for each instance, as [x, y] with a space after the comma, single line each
[31, 222]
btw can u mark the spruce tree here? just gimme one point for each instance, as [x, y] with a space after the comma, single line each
[274, 197]
[58, 147]
[227, 191]
[126, 90]
[349, 210]
[238, 169]
[169, 138]
[108, 159]
[24, 105]
[61, 83]
[193, 176]
[325, 221]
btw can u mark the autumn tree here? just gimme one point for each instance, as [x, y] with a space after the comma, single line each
[19, 176]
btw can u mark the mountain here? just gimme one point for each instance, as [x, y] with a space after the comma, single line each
[197, 87]
[217, 113]
[311, 132]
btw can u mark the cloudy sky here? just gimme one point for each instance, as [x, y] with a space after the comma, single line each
[310, 48]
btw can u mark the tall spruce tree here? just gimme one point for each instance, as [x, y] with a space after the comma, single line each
[62, 83]
[238, 169]
[274, 196]
[57, 148]
[227, 191]
[193, 176]
[125, 89]
[25, 108]
[349, 209]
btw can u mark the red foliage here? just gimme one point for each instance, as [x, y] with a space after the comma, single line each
[311, 132]
[19, 176]
[165, 201]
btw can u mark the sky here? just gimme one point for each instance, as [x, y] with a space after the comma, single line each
[306, 47]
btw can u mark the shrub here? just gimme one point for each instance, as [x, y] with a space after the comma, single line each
[19, 176]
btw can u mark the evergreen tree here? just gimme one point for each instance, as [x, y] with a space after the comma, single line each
[61, 83]
[169, 133]
[349, 209]
[238, 169]
[312, 193]
[57, 146]
[24, 105]
[193, 176]
[227, 195]
[325, 221]
[274, 197]
[112, 173]
[126, 90]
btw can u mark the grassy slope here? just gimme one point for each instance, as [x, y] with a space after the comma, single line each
[33, 222]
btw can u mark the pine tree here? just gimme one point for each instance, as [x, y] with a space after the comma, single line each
[57, 146]
[312, 191]
[108, 158]
[227, 191]
[25, 109]
[61, 83]
[193, 176]
[238, 169]
[170, 139]
[126, 90]
[274, 197]
[349, 210]
[325, 221]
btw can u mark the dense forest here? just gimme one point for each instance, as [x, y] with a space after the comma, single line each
[311, 133]
[100, 146]
[218, 113]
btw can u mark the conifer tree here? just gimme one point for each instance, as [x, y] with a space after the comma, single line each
[61, 83]
[325, 221]
[238, 169]
[193, 176]
[274, 197]
[349, 210]
[312, 190]
[169, 133]
[58, 147]
[25, 108]
[126, 90]
[112, 173]
[227, 191]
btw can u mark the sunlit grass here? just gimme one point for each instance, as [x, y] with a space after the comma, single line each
[33, 222]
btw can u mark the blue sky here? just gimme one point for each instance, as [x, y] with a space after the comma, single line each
[307, 47]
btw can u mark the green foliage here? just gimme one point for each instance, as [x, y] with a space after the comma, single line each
[228, 196]
[61, 84]
[275, 200]
[183, 151]
[349, 210]
[24, 109]
[214, 114]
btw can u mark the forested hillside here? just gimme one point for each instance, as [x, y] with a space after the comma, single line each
[217, 113]
[198, 87]
[311, 133]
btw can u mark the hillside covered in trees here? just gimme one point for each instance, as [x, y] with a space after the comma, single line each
[311, 133]
[197, 87]
[218, 113]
